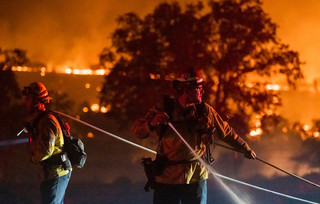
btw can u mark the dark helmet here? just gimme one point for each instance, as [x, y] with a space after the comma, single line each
[188, 77]
[38, 91]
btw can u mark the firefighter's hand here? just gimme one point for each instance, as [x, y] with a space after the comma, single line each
[28, 128]
[250, 154]
[160, 118]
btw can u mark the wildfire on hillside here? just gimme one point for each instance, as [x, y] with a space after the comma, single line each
[256, 130]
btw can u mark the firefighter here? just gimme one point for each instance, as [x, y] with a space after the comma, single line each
[46, 142]
[179, 177]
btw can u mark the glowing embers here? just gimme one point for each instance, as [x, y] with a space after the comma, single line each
[154, 76]
[90, 135]
[87, 85]
[85, 109]
[308, 131]
[97, 108]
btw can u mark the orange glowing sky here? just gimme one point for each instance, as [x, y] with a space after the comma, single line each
[73, 32]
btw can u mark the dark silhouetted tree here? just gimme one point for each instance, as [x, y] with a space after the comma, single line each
[12, 114]
[233, 43]
[10, 95]
[15, 57]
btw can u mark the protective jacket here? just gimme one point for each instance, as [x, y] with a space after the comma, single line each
[47, 142]
[192, 126]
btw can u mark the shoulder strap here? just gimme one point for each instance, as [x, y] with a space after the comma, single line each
[201, 110]
[168, 105]
[168, 108]
[64, 128]
[38, 118]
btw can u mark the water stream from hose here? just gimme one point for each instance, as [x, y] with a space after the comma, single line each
[234, 197]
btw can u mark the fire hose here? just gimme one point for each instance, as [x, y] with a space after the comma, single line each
[154, 152]
[267, 163]
[214, 173]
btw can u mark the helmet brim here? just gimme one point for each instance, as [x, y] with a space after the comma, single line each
[177, 83]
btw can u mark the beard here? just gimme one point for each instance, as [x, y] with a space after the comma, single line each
[194, 99]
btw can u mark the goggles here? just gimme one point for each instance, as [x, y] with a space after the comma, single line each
[28, 91]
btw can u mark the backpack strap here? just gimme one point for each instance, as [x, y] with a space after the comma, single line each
[168, 105]
[37, 120]
[202, 111]
[60, 158]
[64, 126]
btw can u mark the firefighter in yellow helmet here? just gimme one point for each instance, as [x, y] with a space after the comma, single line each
[46, 141]
[179, 177]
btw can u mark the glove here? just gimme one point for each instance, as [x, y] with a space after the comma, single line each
[250, 154]
[159, 118]
[28, 128]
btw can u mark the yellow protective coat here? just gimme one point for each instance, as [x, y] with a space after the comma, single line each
[47, 141]
[190, 127]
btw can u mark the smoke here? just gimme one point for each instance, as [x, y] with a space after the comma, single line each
[55, 32]
[286, 151]
[298, 22]
[64, 33]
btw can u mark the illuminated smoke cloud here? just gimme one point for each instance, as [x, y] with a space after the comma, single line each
[63, 33]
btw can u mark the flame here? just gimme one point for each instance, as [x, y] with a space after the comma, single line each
[104, 109]
[250, 85]
[269, 112]
[68, 70]
[258, 123]
[275, 100]
[87, 85]
[98, 89]
[256, 132]
[154, 76]
[87, 71]
[85, 109]
[95, 107]
[90, 135]
[284, 129]
[64, 70]
[102, 72]
[306, 127]
[273, 87]
[21, 68]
